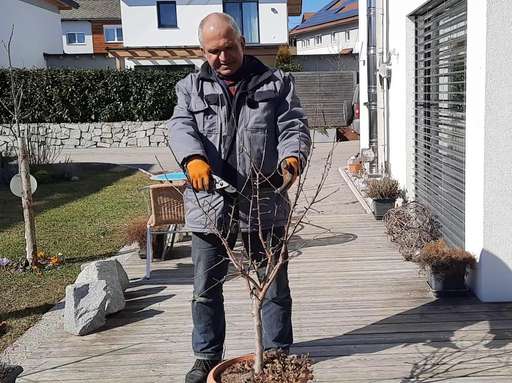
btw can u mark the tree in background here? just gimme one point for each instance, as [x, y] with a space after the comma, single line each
[12, 105]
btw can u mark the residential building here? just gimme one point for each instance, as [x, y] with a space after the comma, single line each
[331, 30]
[37, 30]
[328, 37]
[164, 33]
[87, 32]
[435, 77]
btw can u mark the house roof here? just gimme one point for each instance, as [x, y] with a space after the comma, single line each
[334, 13]
[94, 10]
[294, 7]
[307, 15]
[64, 4]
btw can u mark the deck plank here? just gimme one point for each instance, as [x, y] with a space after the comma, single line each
[362, 313]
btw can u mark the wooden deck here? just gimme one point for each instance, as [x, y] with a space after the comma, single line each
[362, 313]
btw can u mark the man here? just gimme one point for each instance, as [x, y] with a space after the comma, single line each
[234, 119]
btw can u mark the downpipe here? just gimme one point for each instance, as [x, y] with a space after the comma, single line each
[372, 85]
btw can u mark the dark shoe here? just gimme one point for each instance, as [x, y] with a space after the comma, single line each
[200, 370]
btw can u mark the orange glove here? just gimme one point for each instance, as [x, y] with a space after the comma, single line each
[199, 173]
[290, 168]
[291, 165]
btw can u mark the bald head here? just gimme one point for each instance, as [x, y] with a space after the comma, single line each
[216, 23]
[222, 43]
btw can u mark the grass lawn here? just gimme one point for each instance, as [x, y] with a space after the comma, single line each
[82, 220]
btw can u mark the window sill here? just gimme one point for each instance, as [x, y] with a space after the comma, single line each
[160, 27]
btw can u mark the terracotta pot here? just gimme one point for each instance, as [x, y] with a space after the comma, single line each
[214, 376]
[355, 168]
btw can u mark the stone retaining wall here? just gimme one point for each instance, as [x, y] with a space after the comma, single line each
[96, 135]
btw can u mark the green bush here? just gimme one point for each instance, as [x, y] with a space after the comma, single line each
[291, 67]
[92, 95]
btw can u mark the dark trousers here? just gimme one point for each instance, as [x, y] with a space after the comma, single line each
[210, 270]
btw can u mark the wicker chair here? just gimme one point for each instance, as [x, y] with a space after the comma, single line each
[167, 208]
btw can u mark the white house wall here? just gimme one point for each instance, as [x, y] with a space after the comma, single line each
[489, 148]
[273, 22]
[77, 26]
[140, 23]
[37, 30]
[399, 91]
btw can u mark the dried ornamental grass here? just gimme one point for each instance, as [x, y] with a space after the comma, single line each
[411, 226]
[385, 188]
[444, 259]
[136, 231]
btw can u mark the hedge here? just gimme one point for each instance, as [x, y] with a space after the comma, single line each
[96, 95]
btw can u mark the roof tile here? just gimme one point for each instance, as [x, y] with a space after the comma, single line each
[93, 9]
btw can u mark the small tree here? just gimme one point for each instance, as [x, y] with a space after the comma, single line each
[14, 108]
[259, 276]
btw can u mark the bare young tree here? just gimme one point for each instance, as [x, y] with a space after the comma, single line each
[13, 107]
[260, 272]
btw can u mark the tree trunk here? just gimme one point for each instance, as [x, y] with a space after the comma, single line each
[258, 327]
[26, 200]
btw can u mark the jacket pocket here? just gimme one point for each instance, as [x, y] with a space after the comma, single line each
[261, 107]
[206, 118]
[265, 95]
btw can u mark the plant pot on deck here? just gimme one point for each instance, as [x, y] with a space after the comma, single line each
[381, 207]
[444, 284]
[284, 367]
[215, 374]
[8, 374]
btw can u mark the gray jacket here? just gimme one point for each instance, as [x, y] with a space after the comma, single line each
[250, 135]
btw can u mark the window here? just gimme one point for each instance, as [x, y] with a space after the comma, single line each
[113, 33]
[245, 12]
[305, 43]
[333, 37]
[347, 35]
[75, 38]
[318, 40]
[440, 114]
[166, 12]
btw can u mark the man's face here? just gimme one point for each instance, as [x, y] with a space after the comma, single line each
[223, 49]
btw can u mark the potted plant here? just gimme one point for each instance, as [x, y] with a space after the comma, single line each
[446, 267]
[354, 164]
[384, 193]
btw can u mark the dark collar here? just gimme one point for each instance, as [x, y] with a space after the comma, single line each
[255, 72]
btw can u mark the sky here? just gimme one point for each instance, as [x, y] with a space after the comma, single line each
[308, 6]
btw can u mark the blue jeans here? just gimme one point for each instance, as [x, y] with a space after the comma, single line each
[210, 270]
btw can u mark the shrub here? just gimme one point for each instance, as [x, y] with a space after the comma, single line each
[385, 188]
[136, 231]
[92, 95]
[443, 259]
[411, 226]
[284, 60]
[291, 67]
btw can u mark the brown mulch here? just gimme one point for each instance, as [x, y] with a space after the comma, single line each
[277, 368]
